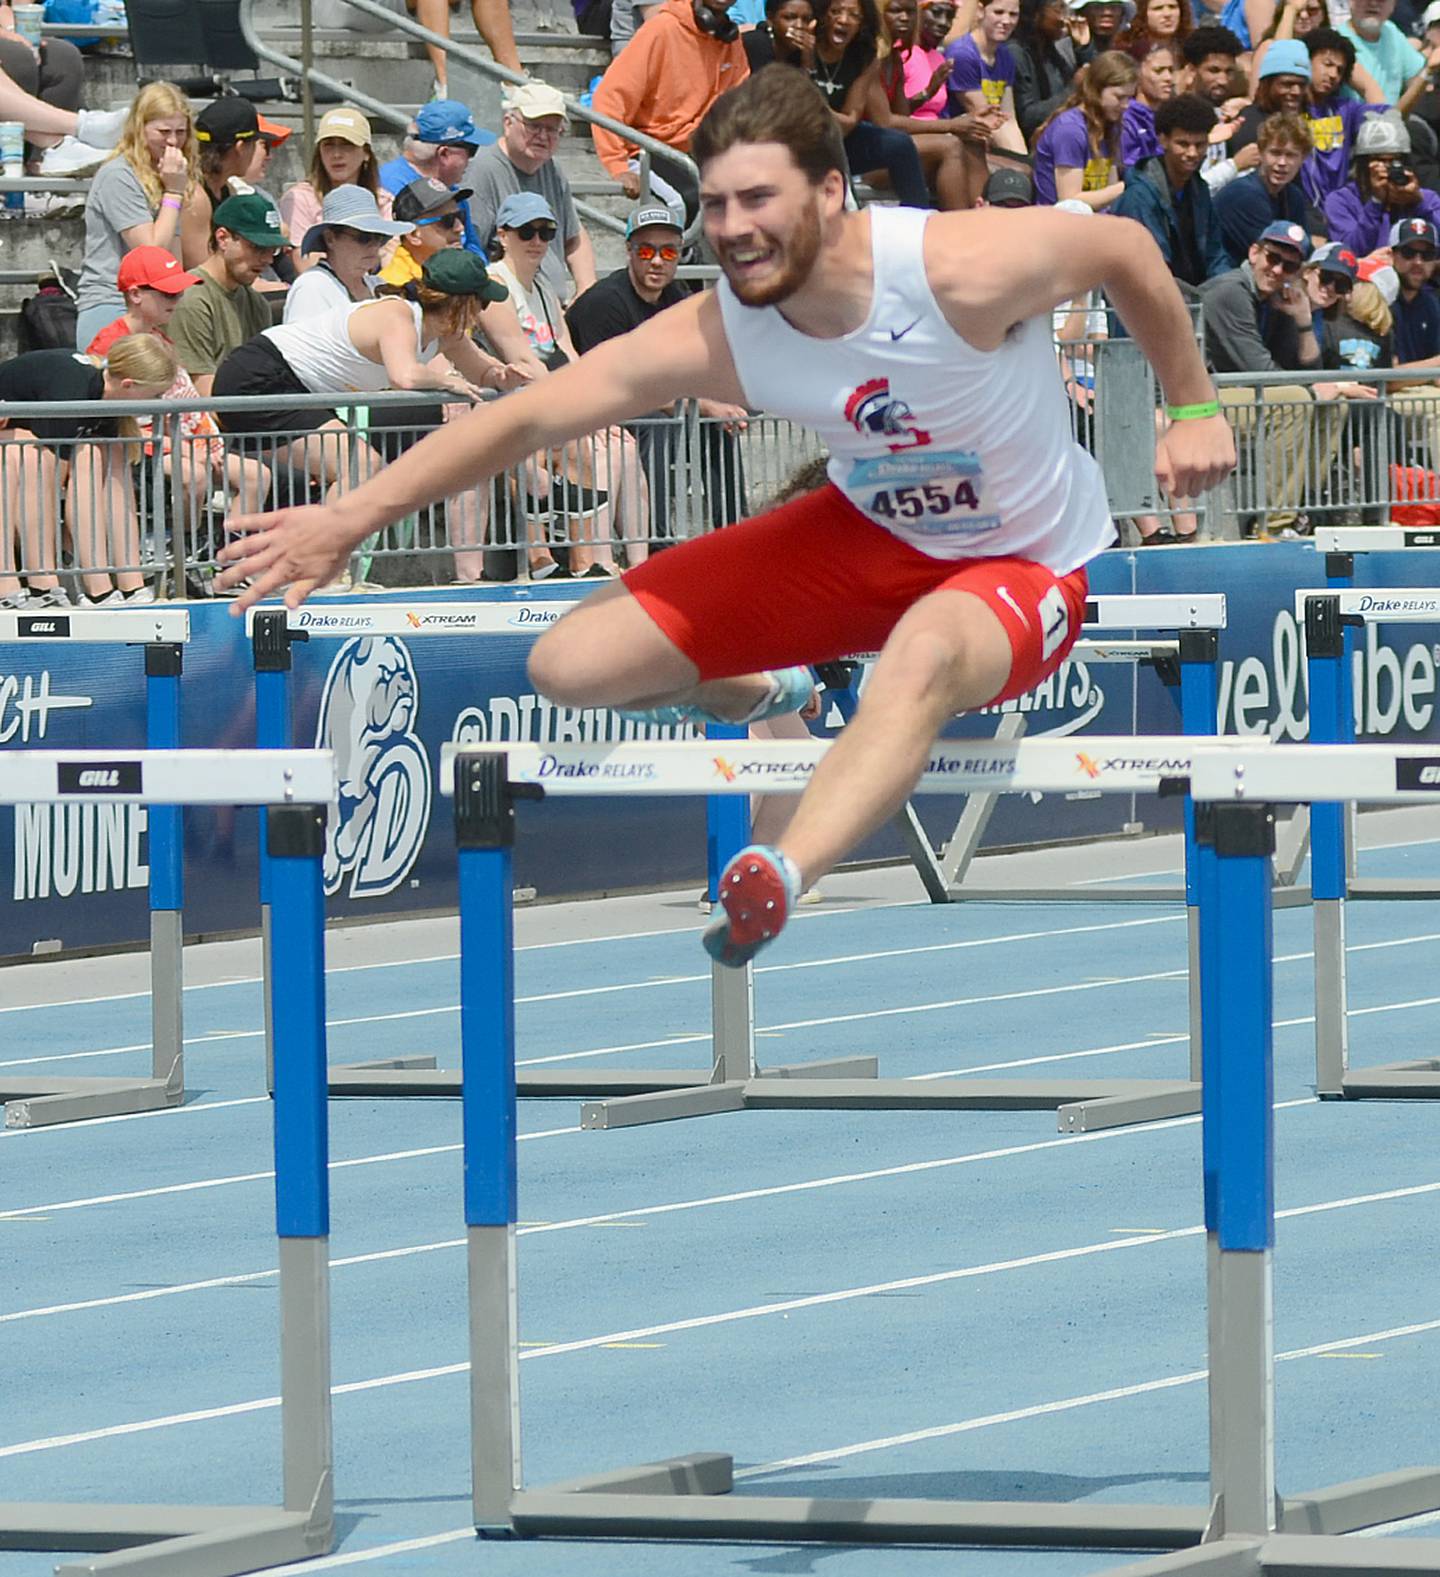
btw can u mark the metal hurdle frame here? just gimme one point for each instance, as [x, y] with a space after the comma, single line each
[32, 1100]
[1340, 544]
[218, 1541]
[1328, 618]
[273, 631]
[1246, 1529]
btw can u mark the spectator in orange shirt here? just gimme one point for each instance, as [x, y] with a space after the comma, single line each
[671, 72]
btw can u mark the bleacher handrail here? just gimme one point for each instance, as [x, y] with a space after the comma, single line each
[476, 61]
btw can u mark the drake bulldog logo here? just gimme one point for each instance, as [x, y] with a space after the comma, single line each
[367, 717]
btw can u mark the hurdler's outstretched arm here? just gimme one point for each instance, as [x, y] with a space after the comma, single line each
[994, 269]
[680, 352]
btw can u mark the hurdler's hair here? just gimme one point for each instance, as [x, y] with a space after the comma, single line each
[777, 104]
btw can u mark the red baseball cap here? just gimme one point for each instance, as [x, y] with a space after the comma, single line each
[272, 131]
[153, 266]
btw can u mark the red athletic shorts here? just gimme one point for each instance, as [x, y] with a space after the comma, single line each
[814, 580]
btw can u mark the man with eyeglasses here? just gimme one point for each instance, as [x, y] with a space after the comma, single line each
[432, 211]
[1258, 318]
[623, 301]
[523, 160]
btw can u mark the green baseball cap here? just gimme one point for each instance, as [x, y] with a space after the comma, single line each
[252, 215]
[456, 272]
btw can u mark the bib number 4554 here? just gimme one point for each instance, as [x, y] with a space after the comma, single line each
[928, 498]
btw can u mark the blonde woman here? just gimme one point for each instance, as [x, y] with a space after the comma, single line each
[136, 199]
[40, 456]
[343, 156]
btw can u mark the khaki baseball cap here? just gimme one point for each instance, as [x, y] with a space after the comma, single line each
[345, 123]
[534, 100]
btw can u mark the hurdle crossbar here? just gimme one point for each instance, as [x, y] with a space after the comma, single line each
[1245, 1526]
[223, 1541]
[34, 1100]
[739, 767]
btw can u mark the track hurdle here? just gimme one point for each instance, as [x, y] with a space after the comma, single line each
[31, 1100]
[1246, 1529]
[1340, 546]
[273, 631]
[217, 1541]
[1327, 618]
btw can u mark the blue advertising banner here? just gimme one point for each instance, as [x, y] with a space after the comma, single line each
[76, 874]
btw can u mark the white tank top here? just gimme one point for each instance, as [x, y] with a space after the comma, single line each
[322, 355]
[960, 452]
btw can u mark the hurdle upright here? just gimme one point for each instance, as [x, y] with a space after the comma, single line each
[1327, 618]
[218, 1541]
[31, 1100]
[1245, 1528]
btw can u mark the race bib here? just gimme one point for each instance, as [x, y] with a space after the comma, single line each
[925, 493]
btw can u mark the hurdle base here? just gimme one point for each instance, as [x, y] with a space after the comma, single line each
[199, 1541]
[701, 1473]
[556, 1513]
[34, 1103]
[1082, 1101]
[1414, 888]
[414, 1078]
[1394, 1081]
[1309, 1542]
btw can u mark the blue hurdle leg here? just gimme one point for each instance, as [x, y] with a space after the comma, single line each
[732, 991]
[164, 661]
[484, 835]
[1237, 1104]
[1331, 723]
[270, 652]
[295, 844]
[1199, 706]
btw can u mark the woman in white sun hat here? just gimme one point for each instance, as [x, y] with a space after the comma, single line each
[345, 247]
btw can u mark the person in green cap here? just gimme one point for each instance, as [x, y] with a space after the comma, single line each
[224, 310]
[417, 336]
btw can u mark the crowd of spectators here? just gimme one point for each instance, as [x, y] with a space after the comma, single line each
[1285, 160]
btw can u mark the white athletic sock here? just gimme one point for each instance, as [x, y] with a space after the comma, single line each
[772, 694]
[100, 128]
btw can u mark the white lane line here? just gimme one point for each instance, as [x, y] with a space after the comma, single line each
[604, 1051]
[379, 1552]
[1045, 1409]
[256, 1177]
[608, 990]
[782, 1307]
[739, 1196]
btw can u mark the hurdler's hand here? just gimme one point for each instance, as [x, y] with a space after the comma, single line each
[1195, 455]
[299, 548]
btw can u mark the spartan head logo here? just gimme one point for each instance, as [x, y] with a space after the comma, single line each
[872, 409]
[367, 717]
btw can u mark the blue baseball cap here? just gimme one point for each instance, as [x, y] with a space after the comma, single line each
[1285, 232]
[1414, 232]
[1332, 258]
[1286, 57]
[522, 208]
[447, 121]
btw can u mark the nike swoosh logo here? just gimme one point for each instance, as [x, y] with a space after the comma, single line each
[901, 333]
[1004, 592]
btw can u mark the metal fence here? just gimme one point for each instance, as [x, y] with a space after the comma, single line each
[114, 511]
[98, 513]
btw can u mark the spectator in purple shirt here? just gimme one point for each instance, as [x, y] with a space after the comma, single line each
[1334, 120]
[1156, 84]
[1383, 189]
[982, 72]
[1077, 153]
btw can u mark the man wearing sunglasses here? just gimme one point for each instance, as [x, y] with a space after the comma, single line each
[1414, 248]
[1258, 318]
[432, 210]
[623, 301]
